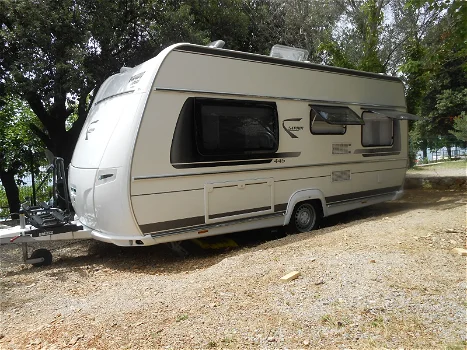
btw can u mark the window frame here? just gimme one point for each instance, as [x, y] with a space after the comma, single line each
[381, 117]
[321, 108]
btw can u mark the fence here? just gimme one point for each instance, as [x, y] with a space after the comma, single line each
[26, 194]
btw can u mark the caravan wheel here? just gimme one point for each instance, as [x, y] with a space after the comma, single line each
[42, 253]
[304, 218]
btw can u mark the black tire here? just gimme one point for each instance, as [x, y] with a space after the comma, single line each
[305, 217]
[42, 253]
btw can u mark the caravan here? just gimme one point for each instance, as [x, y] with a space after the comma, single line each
[202, 141]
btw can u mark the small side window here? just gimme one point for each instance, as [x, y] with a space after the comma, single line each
[320, 127]
[337, 115]
[377, 131]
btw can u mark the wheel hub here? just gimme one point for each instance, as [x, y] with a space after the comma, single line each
[303, 218]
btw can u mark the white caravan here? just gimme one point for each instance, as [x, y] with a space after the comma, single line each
[202, 141]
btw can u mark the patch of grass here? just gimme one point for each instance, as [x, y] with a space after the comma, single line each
[212, 344]
[378, 322]
[456, 164]
[462, 345]
[227, 340]
[182, 317]
[330, 321]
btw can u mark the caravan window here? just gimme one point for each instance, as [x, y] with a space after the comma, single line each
[233, 127]
[336, 115]
[377, 131]
[320, 127]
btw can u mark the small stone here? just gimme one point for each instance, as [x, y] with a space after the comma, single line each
[373, 261]
[452, 241]
[290, 276]
[306, 342]
[319, 282]
[460, 251]
[271, 339]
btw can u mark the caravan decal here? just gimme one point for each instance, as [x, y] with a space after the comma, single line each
[292, 128]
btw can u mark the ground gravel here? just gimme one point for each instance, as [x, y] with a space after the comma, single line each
[378, 277]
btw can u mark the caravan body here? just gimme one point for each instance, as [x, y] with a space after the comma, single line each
[203, 141]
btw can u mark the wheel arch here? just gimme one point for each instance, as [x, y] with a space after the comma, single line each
[304, 195]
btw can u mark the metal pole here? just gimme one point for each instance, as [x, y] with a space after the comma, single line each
[34, 202]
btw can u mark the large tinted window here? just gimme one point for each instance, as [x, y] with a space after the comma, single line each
[377, 131]
[232, 127]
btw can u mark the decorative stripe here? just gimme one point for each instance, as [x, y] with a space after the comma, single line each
[361, 194]
[198, 222]
[247, 159]
[216, 164]
[220, 224]
[172, 224]
[239, 212]
[380, 154]
[162, 176]
[280, 207]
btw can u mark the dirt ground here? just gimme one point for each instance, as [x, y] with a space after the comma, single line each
[455, 168]
[377, 277]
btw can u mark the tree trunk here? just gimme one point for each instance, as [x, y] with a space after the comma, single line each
[425, 149]
[12, 192]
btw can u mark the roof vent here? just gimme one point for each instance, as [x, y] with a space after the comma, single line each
[217, 44]
[289, 53]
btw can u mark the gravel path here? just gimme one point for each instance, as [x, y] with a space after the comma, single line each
[378, 277]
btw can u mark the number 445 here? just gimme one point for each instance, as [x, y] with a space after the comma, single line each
[279, 160]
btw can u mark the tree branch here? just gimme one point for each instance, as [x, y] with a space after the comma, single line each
[43, 136]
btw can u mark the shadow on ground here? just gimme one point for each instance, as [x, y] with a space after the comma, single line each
[160, 259]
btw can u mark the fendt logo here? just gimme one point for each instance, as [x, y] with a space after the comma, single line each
[289, 129]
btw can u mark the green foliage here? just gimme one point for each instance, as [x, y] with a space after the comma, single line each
[435, 72]
[43, 195]
[460, 127]
[363, 40]
[16, 139]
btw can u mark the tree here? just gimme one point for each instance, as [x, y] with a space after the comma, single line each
[372, 35]
[17, 146]
[356, 43]
[446, 94]
[460, 127]
[303, 24]
[75, 46]
[434, 70]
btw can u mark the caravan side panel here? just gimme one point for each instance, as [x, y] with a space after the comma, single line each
[175, 199]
